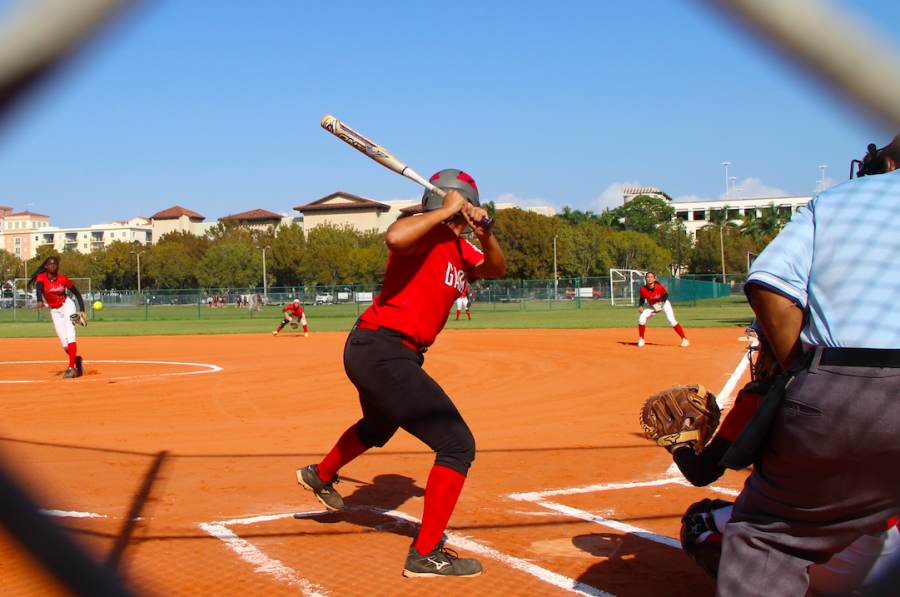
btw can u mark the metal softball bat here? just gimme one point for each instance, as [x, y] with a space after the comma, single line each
[382, 156]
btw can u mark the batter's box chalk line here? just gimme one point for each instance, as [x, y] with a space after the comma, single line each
[206, 369]
[263, 564]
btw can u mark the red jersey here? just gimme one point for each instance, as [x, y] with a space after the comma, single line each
[419, 288]
[294, 309]
[465, 292]
[54, 290]
[653, 296]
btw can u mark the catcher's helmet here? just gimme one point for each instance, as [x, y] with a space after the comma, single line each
[450, 180]
[765, 364]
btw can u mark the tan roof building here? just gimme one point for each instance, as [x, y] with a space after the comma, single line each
[343, 209]
[259, 219]
[20, 232]
[177, 219]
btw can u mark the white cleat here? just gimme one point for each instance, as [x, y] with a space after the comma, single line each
[684, 342]
[640, 342]
[305, 335]
[275, 333]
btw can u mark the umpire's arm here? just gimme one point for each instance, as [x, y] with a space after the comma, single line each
[781, 320]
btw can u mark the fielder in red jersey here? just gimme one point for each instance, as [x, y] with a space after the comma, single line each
[463, 303]
[658, 300]
[52, 286]
[427, 270]
[293, 312]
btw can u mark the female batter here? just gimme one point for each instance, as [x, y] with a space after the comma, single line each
[428, 267]
[51, 285]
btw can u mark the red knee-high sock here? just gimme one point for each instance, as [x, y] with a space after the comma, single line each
[347, 448]
[641, 329]
[441, 492]
[469, 314]
[457, 315]
[73, 352]
[304, 328]
[678, 329]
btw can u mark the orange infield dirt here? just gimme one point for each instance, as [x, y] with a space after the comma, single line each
[565, 496]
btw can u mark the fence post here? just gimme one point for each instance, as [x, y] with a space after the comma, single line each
[199, 312]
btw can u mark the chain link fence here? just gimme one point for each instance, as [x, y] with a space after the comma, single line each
[351, 301]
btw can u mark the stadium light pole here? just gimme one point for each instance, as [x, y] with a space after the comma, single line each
[726, 164]
[139, 267]
[555, 277]
[733, 190]
[823, 176]
[265, 284]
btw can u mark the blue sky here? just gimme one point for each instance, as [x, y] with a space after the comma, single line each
[215, 106]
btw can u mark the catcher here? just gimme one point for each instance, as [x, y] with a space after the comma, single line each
[864, 564]
[294, 315]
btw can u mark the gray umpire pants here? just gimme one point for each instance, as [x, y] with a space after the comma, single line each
[829, 473]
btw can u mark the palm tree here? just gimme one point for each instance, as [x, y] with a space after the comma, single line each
[719, 219]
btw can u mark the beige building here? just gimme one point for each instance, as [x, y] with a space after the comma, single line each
[96, 236]
[256, 219]
[344, 209]
[178, 219]
[22, 232]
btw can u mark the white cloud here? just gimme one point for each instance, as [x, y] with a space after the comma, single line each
[753, 188]
[416, 198]
[612, 197]
[830, 182]
[519, 202]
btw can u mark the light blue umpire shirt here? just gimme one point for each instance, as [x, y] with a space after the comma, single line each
[839, 259]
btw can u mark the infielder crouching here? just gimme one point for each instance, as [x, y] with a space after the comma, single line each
[293, 312]
[658, 300]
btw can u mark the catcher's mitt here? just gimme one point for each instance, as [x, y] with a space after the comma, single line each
[78, 319]
[658, 306]
[683, 415]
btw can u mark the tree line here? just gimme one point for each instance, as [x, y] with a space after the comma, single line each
[638, 235]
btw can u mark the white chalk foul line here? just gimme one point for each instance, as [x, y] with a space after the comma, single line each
[261, 562]
[724, 399]
[276, 569]
[70, 514]
[209, 369]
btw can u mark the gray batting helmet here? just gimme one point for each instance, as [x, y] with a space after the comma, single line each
[450, 180]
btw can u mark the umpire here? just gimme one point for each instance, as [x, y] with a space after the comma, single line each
[828, 469]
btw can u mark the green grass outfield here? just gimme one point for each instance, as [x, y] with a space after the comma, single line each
[130, 321]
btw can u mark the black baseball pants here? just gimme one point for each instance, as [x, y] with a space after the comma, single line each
[395, 392]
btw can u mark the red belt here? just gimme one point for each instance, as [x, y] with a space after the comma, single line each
[407, 340]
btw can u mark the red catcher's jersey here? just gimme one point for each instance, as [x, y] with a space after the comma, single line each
[295, 310]
[54, 290]
[653, 296]
[419, 288]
